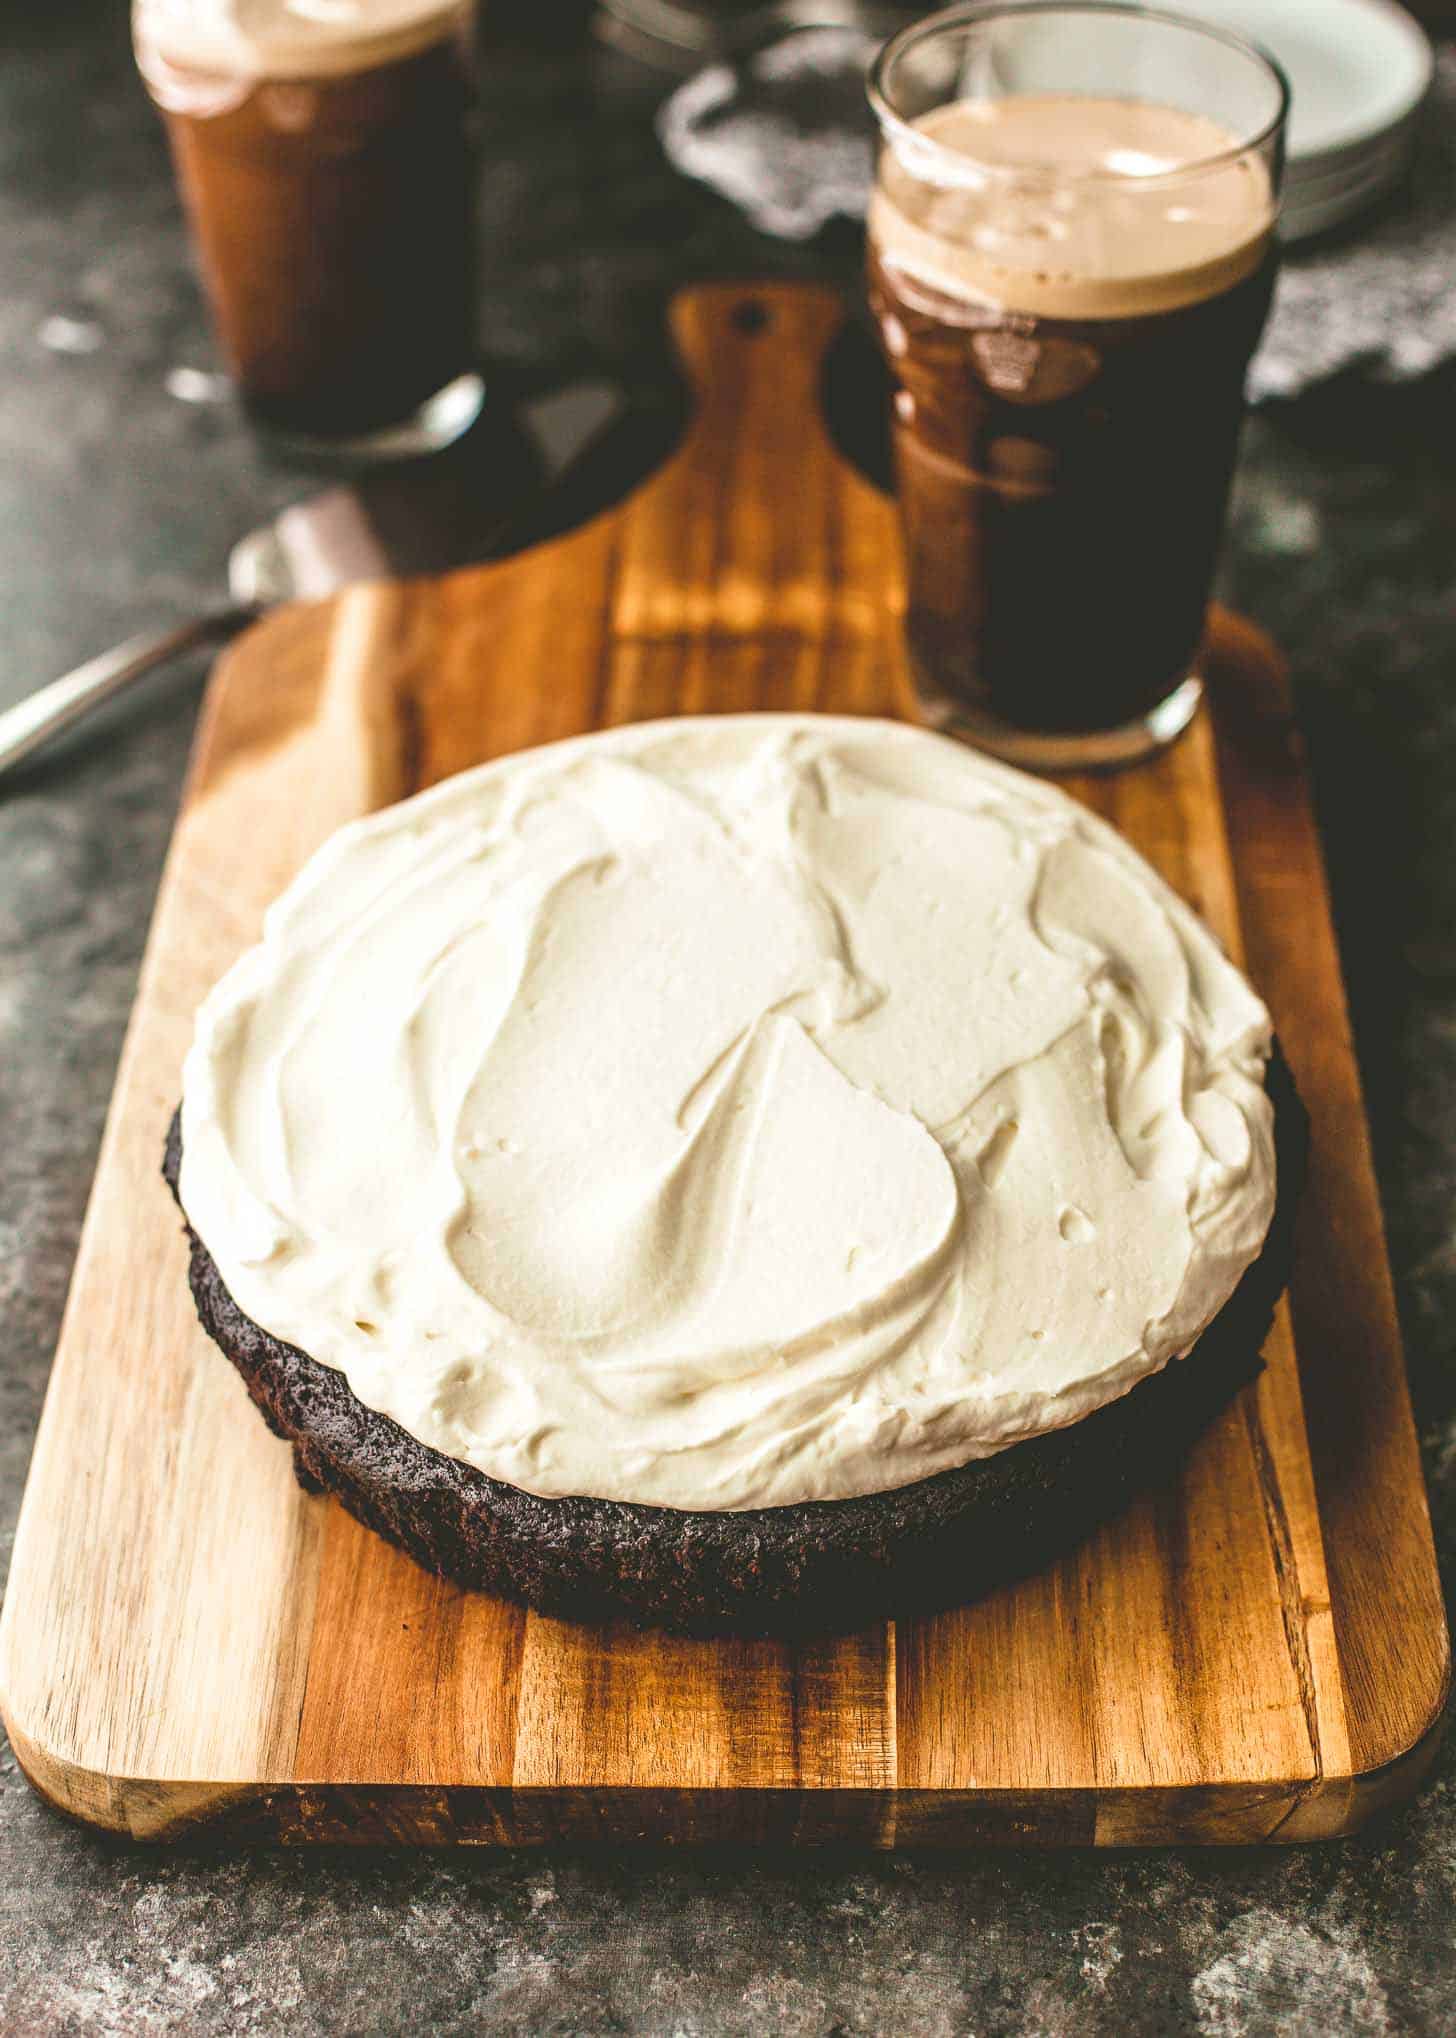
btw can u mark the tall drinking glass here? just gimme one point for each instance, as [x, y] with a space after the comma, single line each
[325, 154]
[1071, 257]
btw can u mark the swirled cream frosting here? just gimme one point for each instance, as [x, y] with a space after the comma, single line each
[730, 1112]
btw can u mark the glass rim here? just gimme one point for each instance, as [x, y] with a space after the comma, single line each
[966, 15]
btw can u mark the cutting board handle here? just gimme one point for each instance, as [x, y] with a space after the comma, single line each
[755, 529]
[754, 353]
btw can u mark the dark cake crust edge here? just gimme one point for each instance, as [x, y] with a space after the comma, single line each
[812, 1567]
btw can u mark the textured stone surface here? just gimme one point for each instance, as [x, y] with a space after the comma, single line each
[119, 492]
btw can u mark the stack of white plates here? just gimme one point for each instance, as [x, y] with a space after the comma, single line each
[1358, 71]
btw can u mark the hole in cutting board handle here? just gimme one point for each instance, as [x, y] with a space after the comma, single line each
[752, 318]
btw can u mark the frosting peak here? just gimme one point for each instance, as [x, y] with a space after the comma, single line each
[731, 1112]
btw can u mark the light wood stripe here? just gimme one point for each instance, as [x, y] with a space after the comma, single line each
[409, 1680]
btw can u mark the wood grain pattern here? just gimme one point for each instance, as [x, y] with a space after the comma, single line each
[1255, 1650]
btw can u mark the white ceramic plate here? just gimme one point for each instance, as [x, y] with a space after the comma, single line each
[1316, 212]
[1388, 157]
[1356, 68]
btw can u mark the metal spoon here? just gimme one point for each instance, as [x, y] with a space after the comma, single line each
[425, 516]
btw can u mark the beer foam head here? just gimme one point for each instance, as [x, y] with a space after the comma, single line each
[1070, 207]
[286, 38]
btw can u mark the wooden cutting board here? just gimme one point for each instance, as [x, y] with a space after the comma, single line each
[1255, 1651]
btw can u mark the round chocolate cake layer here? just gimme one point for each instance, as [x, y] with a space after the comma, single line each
[813, 1567]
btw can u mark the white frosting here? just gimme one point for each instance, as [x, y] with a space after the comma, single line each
[729, 1112]
[248, 39]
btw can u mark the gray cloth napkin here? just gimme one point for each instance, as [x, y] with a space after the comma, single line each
[786, 135]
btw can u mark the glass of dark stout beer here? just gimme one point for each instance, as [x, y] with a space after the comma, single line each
[1071, 256]
[324, 151]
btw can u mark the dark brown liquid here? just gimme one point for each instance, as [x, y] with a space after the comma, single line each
[333, 222]
[1063, 486]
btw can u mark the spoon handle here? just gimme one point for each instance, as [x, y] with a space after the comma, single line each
[44, 714]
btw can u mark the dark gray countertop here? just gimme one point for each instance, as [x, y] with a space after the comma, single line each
[120, 497]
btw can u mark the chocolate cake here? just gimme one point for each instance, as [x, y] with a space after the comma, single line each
[747, 1170]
